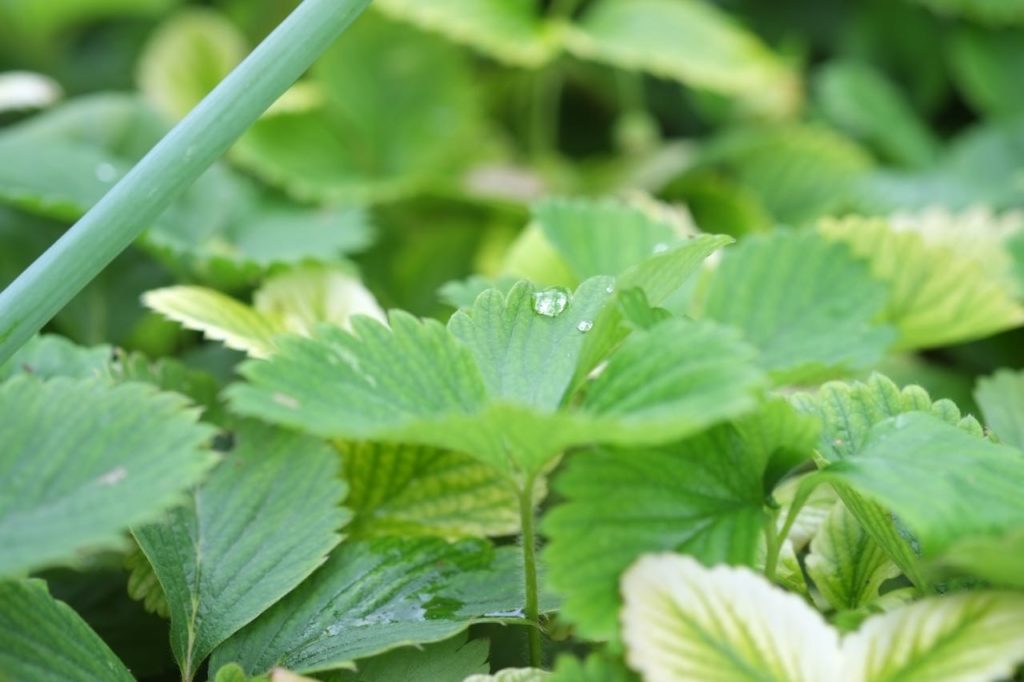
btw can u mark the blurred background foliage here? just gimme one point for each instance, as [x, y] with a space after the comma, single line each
[414, 149]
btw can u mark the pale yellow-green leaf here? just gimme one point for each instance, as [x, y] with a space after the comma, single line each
[186, 58]
[973, 637]
[949, 275]
[685, 622]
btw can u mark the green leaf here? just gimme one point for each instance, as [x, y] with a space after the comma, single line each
[452, 659]
[806, 304]
[993, 12]
[1001, 399]
[913, 459]
[507, 30]
[999, 559]
[603, 237]
[262, 522]
[949, 275]
[42, 21]
[50, 356]
[66, 485]
[362, 144]
[143, 585]
[596, 668]
[703, 496]
[691, 42]
[975, 636]
[409, 490]
[527, 345]
[186, 57]
[43, 640]
[984, 64]
[682, 621]
[373, 596]
[847, 566]
[798, 172]
[217, 315]
[513, 675]
[863, 102]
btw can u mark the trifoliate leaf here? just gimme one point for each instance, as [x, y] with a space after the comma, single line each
[186, 57]
[362, 144]
[847, 566]
[972, 637]
[682, 621]
[1001, 399]
[83, 460]
[410, 490]
[51, 356]
[373, 596]
[527, 344]
[703, 496]
[912, 461]
[603, 237]
[798, 172]
[43, 640]
[508, 30]
[452, 659]
[291, 302]
[949, 275]
[513, 675]
[993, 12]
[691, 42]
[262, 522]
[863, 102]
[363, 389]
[809, 306]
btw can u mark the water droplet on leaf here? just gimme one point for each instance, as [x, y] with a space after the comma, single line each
[551, 302]
[106, 173]
[660, 247]
[584, 326]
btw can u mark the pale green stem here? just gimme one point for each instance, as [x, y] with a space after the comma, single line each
[174, 164]
[532, 610]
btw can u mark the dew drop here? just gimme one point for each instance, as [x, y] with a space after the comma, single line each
[584, 326]
[551, 302]
[660, 247]
[610, 289]
[106, 173]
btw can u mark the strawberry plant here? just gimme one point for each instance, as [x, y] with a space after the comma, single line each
[469, 340]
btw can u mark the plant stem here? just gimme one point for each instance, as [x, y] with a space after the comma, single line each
[169, 168]
[527, 519]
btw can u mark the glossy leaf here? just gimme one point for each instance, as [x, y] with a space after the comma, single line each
[809, 306]
[691, 42]
[452, 659]
[67, 485]
[373, 596]
[262, 522]
[43, 640]
[948, 274]
[682, 621]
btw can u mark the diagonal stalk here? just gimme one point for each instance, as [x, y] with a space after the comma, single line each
[171, 166]
[532, 610]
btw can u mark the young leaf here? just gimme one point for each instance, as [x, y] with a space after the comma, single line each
[67, 485]
[682, 621]
[361, 144]
[186, 58]
[691, 42]
[948, 274]
[43, 640]
[410, 490]
[217, 315]
[972, 637]
[507, 30]
[373, 596]
[262, 522]
[1001, 399]
[704, 496]
[847, 566]
[453, 659]
[809, 306]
